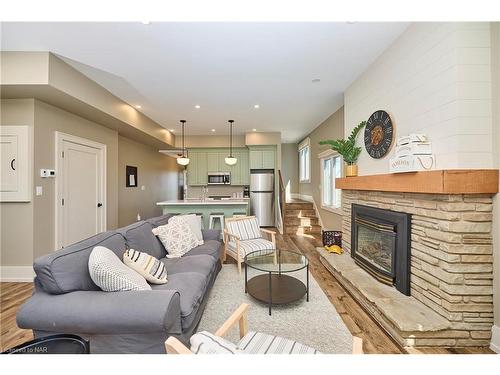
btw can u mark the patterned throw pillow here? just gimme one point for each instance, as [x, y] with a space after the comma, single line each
[205, 343]
[146, 265]
[177, 238]
[109, 273]
[194, 222]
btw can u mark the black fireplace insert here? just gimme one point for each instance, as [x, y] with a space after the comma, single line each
[381, 244]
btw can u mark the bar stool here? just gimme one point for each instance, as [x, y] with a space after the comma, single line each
[239, 214]
[200, 214]
[216, 216]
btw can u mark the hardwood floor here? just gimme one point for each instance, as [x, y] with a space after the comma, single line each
[375, 339]
[13, 295]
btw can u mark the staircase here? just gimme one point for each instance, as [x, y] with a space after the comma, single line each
[300, 218]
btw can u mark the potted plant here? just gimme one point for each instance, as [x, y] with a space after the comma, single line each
[348, 149]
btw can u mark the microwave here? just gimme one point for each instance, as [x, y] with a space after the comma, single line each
[219, 178]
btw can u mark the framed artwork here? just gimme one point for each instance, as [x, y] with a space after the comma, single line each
[131, 176]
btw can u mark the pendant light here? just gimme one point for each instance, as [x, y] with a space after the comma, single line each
[230, 160]
[183, 160]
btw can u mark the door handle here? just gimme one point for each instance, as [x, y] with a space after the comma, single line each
[12, 164]
[99, 204]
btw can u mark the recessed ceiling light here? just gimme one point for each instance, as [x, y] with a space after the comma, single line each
[171, 130]
[145, 22]
[256, 106]
[254, 130]
[197, 106]
[138, 106]
[316, 80]
[213, 130]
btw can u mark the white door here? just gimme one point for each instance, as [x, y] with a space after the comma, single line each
[81, 189]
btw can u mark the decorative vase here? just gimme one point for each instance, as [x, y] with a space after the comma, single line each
[351, 170]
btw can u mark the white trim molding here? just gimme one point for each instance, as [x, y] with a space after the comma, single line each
[19, 274]
[495, 339]
[309, 198]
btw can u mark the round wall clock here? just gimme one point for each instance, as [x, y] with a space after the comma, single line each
[379, 133]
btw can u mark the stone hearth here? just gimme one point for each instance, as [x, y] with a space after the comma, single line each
[451, 261]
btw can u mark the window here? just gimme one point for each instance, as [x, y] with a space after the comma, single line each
[331, 168]
[305, 161]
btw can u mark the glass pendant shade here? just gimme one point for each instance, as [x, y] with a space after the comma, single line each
[183, 159]
[231, 160]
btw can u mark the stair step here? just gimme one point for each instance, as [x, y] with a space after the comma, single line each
[302, 213]
[299, 206]
[293, 229]
[301, 221]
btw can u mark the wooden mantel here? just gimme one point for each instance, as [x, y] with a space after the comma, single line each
[449, 181]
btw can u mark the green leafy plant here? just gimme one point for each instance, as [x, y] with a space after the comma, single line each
[347, 147]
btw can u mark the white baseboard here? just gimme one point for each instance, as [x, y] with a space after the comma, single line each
[495, 339]
[16, 274]
[303, 197]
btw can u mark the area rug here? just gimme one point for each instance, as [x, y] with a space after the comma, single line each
[315, 323]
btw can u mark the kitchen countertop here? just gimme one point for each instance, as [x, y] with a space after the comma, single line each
[208, 202]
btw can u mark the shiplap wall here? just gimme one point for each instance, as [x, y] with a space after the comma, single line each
[434, 79]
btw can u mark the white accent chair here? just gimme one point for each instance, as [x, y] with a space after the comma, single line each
[243, 235]
[254, 342]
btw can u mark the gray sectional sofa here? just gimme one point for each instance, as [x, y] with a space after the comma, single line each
[66, 300]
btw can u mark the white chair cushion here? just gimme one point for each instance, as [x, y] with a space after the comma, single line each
[205, 343]
[109, 273]
[251, 245]
[262, 343]
[245, 229]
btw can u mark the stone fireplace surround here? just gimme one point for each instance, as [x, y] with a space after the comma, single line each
[451, 267]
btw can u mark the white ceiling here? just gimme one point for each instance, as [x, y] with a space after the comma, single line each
[226, 68]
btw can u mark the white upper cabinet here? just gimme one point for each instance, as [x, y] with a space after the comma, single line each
[15, 164]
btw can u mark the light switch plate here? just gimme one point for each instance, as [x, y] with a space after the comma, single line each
[39, 190]
[143, 187]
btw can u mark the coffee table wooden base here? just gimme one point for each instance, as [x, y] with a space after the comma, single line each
[276, 289]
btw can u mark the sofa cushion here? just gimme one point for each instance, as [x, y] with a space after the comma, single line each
[202, 264]
[139, 236]
[66, 270]
[111, 275]
[159, 220]
[192, 287]
[210, 247]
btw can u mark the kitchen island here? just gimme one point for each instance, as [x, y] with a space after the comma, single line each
[205, 207]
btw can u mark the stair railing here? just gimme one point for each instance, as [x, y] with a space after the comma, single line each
[282, 199]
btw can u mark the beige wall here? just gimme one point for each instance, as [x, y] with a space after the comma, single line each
[158, 173]
[28, 229]
[16, 244]
[289, 167]
[331, 128]
[209, 140]
[495, 59]
[48, 120]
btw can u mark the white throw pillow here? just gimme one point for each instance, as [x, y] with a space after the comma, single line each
[177, 238]
[109, 273]
[194, 222]
[146, 265]
[206, 343]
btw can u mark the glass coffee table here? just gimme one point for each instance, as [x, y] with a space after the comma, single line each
[277, 285]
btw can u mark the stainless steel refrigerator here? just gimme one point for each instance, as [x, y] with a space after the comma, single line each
[262, 196]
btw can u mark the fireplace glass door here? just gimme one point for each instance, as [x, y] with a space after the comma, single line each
[376, 243]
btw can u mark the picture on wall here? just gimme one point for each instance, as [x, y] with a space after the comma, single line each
[131, 176]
